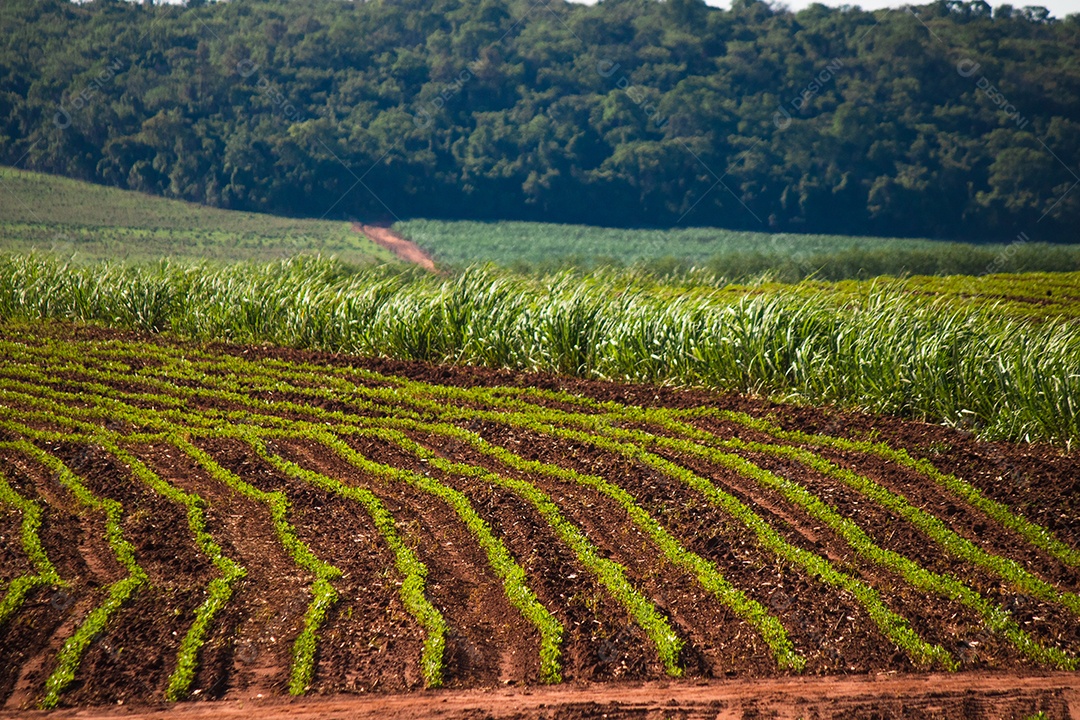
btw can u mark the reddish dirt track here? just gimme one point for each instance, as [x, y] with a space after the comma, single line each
[367, 661]
[912, 696]
[407, 250]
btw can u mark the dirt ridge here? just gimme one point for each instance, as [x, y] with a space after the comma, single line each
[934, 695]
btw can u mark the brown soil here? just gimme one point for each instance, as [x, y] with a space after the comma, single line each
[972, 696]
[369, 645]
[405, 249]
[133, 660]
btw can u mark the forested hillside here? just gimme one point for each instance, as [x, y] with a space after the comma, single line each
[944, 120]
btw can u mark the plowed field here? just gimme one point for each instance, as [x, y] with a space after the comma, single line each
[226, 523]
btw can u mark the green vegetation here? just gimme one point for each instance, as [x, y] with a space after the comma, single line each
[928, 524]
[946, 121]
[1031, 532]
[892, 625]
[116, 595]
[537, 420]
[886, 352]
[513, 576]
[608, 572]
[705, 572]
[995, 617]
[412, 570]
[219, 590]
[123, 394]
[1032, 296]
[599, 432]
[84, 222]
[45, 574]
[931, 526]
[323, 593]
[729, 254]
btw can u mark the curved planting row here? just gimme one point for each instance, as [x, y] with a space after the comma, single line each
[807, 557]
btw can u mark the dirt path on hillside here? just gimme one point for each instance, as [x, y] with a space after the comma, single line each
[407, 250]
[964, 695]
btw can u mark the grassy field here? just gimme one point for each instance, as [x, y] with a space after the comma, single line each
[732, 254]
[884, 350]
[90, 222]
[1034, 296]
[256, 518]
[266, 521]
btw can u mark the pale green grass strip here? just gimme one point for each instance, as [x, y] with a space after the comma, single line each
[45, 574]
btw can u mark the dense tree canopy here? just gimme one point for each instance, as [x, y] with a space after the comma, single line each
[945, 120]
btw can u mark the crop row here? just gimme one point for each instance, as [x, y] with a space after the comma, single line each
[117, 594]
[164, 394]
[609, 573]
[884, 351]
[892, 625]
[1012, 572]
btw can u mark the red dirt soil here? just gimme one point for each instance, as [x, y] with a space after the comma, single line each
[968, 695]
[367, 661]
[405, 249]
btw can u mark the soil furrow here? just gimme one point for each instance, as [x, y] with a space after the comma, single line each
[1046, 621]
[827, 626]
[249, 652]
[369, 642]
[598, 643]
[488, 642]
[718, 640]
[74, 541]
[936, 618]
[29, 640]
[138, 653]
[962, 518]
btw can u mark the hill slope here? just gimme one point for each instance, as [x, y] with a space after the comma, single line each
[92, 222]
